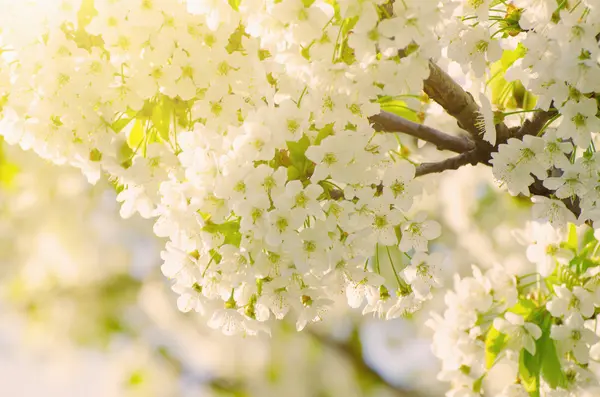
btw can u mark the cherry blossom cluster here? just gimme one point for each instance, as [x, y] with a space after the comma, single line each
[557, 63]
[541, 327]
[243, 128]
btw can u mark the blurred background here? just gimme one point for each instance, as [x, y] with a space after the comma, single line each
[85, 310]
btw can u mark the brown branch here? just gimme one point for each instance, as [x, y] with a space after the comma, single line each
[452, 163]
[355, 357]
[389, 122]
[535, 125]
[458, 103]
[538, 189]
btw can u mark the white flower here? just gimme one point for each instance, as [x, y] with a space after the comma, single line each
[514, 390]
[311, 310]
[521, 334]
[516, 160]
[574, 337]
[405, 305]
[545, 251]
[579, 121]
[476, 48]
[398, 185]
[486, 123]
[424, 273]
[417, 232]
[568, 185]
[384, 219]
[567, 302]
[551, 210]
[230, 321]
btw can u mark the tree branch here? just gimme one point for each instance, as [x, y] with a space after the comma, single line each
[538, 189]
[389, 122]
[535, 125]
[361, 367]
[452, 163]
[458, 103]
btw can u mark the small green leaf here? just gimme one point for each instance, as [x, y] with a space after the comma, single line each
[95, 155]
[588, 238]
[324, 133]
[529, 372]
[230, 230]
[478, 383]
[297, 149]
[303, 166]
[523, 308]
[235, 4]
[293, 173]
[161, 118]
[545, 346]
[495, 341]
[546, 362]
[118, 125]
[235, 40]
[572, 239]
[400, 108]
[136, 135]
[124, 155]
[509, 95]
[8, 172]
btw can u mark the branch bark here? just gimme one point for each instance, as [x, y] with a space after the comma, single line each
[389, 122]
[452, 163]
[355, 357]
[535, 125]
[458, 103]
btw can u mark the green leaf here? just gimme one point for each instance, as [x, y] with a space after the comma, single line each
[118, 125]
[523, 308]
[136, 135]
[124, 155]
[161, 118]
[324, 133]
[301, 167]
[529, 373]
[235, 4]
[572, 240]
[293, 173]
[8, 172]
[95, 155]
[551, 368]
[509, 95]
[235, 40]
[478, 383]
[298, 149]
[495, 342]
[86, 13]
[546, 362]
[588, 238]
[399, 108]
[230, 230]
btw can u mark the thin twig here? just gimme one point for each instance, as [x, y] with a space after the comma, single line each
[389, 122]
[452, 163]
